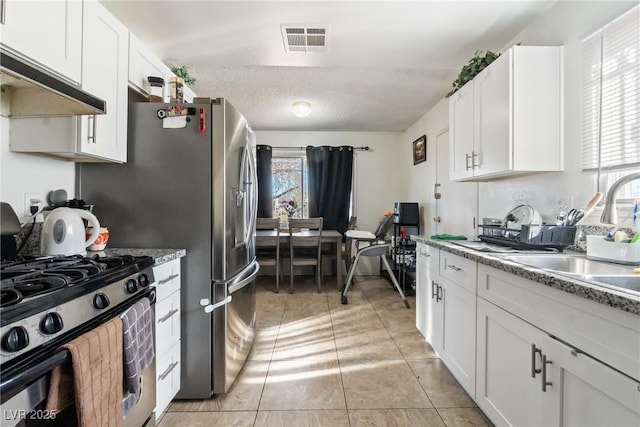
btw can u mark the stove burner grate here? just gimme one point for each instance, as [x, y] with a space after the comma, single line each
[9, 297]
[43, 284]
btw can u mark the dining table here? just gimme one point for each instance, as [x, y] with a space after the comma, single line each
[328, 236]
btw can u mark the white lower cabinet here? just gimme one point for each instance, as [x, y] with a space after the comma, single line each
[581, 391]
[454, 330]
[168, 342]
[167, 379]
[507, 387]
[446, 310]
[426, 261]
[534, 372]
[528, 354]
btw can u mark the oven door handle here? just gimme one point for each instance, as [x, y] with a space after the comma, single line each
[12, 385]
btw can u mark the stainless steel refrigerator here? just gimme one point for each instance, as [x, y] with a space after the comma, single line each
[190, 182]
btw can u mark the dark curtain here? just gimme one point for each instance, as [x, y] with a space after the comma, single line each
[330, 174]
[265, 188]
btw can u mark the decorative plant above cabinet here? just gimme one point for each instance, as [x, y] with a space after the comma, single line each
[475, 65]
[183, 73]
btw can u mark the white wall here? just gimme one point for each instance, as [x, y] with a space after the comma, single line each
[381, 173]
[423, 175]
[27, 173]
[563, 24]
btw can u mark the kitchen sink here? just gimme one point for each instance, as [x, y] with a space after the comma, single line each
[572, 264]
[631, 283]
[605, 274]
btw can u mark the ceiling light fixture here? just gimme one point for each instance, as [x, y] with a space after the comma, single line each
[301, 108]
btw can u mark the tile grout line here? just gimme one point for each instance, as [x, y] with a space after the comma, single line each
[264, 385]
[407, 362]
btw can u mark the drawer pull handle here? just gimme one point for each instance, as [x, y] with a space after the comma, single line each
[434, 289]
[453, 267]
[425, 254]
[168, 279]
[439, 294]
[168, 315]
[168, 371]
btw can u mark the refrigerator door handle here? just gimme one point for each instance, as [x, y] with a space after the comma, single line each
[253, 197]
[243, 279]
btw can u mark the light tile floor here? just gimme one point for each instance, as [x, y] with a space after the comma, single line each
[316, 362]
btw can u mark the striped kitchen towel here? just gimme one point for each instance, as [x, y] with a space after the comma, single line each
[137, 325]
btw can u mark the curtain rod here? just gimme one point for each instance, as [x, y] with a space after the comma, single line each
[365, 148]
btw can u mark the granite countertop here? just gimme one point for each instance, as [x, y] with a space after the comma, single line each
[160, 256]
[602, 295]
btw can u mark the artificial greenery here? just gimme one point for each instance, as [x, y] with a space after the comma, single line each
[476, 64]
[183, 73]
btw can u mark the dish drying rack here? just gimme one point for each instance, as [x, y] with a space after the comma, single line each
[530, 236]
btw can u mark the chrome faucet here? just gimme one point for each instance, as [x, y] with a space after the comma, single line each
[609, 213]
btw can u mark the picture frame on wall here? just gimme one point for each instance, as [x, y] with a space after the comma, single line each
[420, 150]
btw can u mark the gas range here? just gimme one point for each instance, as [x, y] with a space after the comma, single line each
[44, 300]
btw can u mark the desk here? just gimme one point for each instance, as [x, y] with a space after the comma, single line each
[328, 236]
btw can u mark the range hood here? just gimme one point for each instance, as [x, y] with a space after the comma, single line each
[35, 92]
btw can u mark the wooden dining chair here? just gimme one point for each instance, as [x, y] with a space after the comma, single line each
[305, 246]
[268, 247]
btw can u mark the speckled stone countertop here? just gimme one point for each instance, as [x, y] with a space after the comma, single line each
[160, 256]
[619, 300]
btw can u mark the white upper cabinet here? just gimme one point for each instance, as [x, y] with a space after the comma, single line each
[105, 74]
[90, 138]
[189, 94]
[461, 133]
[508, 119]
[46, 32]
[142, 64]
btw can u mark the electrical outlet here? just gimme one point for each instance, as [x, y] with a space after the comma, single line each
[31, 199]
[562, 205]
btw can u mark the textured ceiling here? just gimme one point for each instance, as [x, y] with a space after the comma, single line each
[388, 62]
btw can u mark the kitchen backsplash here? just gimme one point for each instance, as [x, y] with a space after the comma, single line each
[30, 232]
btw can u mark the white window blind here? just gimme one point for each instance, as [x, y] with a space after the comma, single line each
[611, 98]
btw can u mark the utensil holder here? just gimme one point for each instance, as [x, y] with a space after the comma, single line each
[621, 253]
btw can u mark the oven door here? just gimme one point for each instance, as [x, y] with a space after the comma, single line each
[23, 391]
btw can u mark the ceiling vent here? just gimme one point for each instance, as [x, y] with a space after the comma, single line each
[305, 38]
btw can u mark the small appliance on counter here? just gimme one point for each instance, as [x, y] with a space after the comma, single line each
[63, 232]
[522, 228]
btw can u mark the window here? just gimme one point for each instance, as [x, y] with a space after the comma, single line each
[611, 101]
[290, 187]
